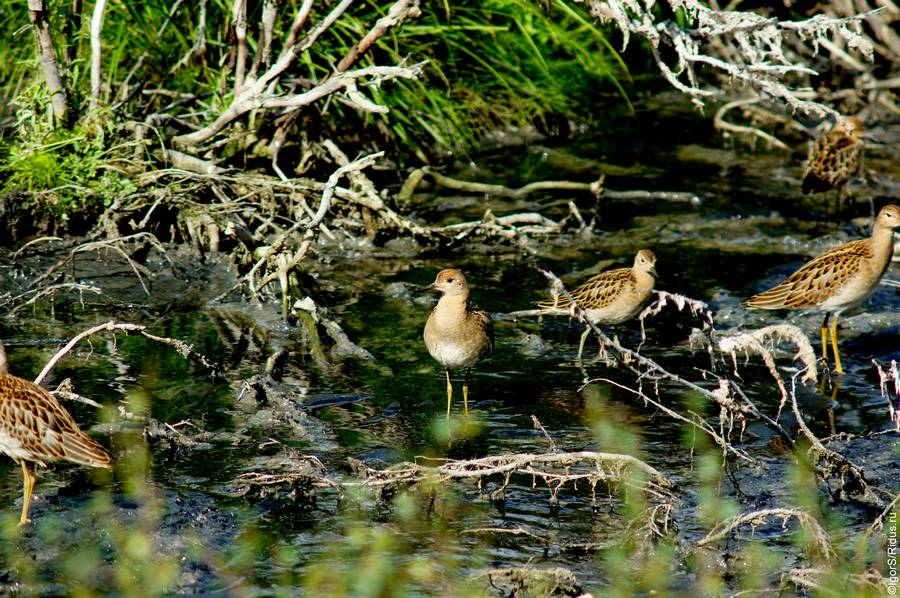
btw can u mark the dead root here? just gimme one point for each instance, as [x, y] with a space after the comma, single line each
[888, 377]
[596, 188]
[758, 342]
[831, 465]
[871, 582]
[819, 540]
[534, 582]
[289, 475]
[553, 471]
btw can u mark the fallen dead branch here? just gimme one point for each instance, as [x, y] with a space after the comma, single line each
[818, 536]
[813, 578]
[557, 470]
[301, 474]
[885, 377]
[741, 47]
[32, 296]
[554, 469]
[729, 128]
[733, 407]
[185, 350]
[596, 188]
[757, 342]
[533, 581]
[833, 465]
[119, 246]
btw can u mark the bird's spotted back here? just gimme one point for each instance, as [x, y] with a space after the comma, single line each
[833, 160]
[598, 292]
[817, 280]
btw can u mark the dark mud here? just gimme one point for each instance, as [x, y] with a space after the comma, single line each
[752, 229]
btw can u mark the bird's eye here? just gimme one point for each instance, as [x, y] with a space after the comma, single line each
[449, 280]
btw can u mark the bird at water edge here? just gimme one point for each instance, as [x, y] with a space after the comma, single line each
[837, 280]
[457, 334]
[35, 429]
[611, 297]
[835, 158]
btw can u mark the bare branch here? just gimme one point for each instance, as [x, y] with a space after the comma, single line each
[399, 12]
[819, 537]
[183, 348]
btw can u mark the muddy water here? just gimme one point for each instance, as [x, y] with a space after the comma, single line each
[752, 229]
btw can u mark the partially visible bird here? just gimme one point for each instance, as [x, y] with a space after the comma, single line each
[610, 297]
[835, 157]
[36, 429]
[457, 334]
[838, 280]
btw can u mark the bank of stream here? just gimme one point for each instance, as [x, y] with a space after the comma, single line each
[171, 513]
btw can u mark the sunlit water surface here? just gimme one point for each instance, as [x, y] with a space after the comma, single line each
[752, 229]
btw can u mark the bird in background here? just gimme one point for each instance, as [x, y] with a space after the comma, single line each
[835, 158]
[35, 429]
[457, 334]
[611, 297]
[838, 280]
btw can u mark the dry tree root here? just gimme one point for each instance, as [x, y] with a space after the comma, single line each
[818, 536]
[556, 471]
[596, 188]
[829, 464]
[533, 581]
[30, 297]
[125, 246]
[290, 475]
[757, 341]
[812, 578]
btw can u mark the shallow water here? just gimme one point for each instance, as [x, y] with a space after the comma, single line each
[752, 229]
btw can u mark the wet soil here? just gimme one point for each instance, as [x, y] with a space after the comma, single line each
[752, 229]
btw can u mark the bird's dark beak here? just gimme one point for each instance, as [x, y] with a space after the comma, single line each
[427, 287]
[653, 272]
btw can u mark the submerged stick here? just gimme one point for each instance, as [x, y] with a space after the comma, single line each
[183, 348]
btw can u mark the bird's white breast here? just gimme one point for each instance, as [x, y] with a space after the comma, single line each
[453, 355]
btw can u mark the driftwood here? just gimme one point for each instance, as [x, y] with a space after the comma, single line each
[556, 470]
[818, 536]
[596, 188]
[534, 581]
[185, 350]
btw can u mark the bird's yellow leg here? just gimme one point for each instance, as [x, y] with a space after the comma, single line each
[834, 346]
[28, 479]
[449, 392]
[825, 338]
[466, 395]
[584, 336]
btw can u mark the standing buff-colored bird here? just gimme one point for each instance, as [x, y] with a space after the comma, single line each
[35, 429]
[611, 297]
[457, 334]
[838, 280]
[835, 157]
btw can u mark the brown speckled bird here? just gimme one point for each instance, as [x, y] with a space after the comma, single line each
[35, 429]
[838, 280]
[835, 157]
[611, 297]
[457, 334]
